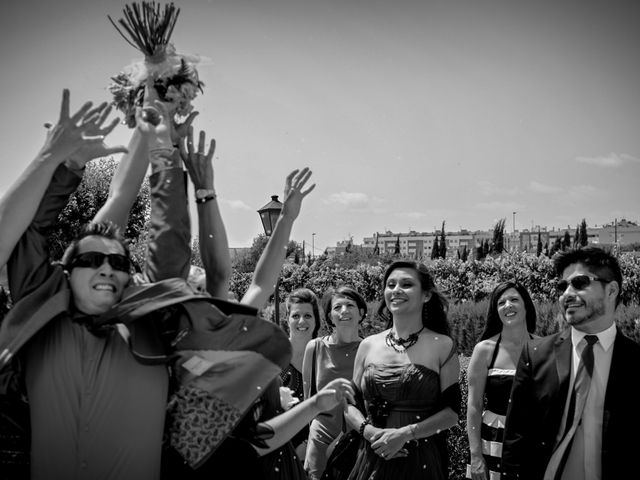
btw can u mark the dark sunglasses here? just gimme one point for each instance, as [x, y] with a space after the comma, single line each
[579, 282]
[118, 262]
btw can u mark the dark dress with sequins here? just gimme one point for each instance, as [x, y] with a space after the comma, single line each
[292, 378]
[396, 396]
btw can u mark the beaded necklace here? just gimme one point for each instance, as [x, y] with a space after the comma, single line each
[401, 345]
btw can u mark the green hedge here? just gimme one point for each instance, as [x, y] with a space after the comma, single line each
[461, 281]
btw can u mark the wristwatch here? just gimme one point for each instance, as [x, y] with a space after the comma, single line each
[203, 195]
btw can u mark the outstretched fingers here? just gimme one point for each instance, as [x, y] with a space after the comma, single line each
[64, 107]
[212, 149]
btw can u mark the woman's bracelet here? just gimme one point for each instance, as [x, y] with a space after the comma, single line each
[363, 426]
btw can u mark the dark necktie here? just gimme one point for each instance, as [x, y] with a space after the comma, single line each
[576, 407]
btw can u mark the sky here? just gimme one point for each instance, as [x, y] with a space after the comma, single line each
[408, 112]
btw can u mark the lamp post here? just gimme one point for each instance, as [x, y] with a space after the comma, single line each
[313, 246]
[269, 217]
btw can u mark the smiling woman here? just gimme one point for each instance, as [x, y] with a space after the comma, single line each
[408, 375]
[326, 359]
[511, 321]
[303, 322]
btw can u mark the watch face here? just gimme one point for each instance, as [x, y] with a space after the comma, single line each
[203, 192]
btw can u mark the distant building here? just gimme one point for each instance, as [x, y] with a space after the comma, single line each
[420, 244]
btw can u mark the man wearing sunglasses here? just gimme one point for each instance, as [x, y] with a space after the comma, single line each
[96, 412]
[573, 412]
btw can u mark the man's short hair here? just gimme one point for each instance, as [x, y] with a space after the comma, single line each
[100, 229]
[599, 261]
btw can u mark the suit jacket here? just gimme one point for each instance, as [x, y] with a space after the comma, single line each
[538, 398]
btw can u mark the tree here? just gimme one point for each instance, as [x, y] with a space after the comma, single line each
[465, 254]
[584, 235]
[546, 248]
[376, 247]
[480, 251]
[566, 240]
[576, 236]
[347, 249]
[539, 246]
[247, 263]
[497, 244]
[435, 250]
[85, 202]
[397, 249]
[557, 245]
[485, 248]
[443, 242]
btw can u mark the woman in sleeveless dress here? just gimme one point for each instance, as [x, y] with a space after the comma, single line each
[303, 323]
[325, 359]
[408, 375]
[511, 321]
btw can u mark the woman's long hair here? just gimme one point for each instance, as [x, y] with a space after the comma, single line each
[304, 295]
[493, 324]
[434, 311]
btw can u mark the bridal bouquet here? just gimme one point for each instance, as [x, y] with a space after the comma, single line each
[148, 27]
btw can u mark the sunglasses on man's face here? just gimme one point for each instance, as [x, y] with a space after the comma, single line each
[117, 261]
[579, 282]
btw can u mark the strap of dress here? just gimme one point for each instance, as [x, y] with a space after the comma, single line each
[495, 352]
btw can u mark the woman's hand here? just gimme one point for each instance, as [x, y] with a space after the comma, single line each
[337, 392]
[287, 400]
[293, 193]
[198, 163]
[389, 443]
[479, 468]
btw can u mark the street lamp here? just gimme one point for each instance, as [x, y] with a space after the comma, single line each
[313, 247]
[269, 216]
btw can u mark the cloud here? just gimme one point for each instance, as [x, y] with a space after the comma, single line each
[237, 205]
[489, 189]
[542, 188]
[499, 206]
[579, 194]
[352, 200]
[612, 160]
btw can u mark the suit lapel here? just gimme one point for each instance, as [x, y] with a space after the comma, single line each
[562, 350]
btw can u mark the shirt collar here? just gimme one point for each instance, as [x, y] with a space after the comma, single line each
[605, 337]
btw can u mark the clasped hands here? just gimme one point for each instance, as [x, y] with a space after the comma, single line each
[388, 443]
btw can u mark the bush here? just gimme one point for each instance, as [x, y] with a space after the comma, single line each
[470, 281]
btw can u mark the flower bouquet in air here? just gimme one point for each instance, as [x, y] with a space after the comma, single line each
[147, 26]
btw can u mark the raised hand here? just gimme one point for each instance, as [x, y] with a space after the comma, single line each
[79, 133]
[293, 193]
[181, 130]
[198, 163]
[94, 120]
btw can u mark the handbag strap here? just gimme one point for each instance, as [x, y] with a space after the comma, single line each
[313, 388]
